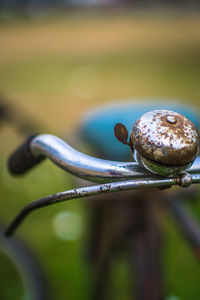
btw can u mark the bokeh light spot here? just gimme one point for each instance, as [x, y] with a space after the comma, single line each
[68, 225]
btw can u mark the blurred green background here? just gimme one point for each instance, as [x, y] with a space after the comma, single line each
[54, 70]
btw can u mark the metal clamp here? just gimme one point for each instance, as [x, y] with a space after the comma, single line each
[185, 179]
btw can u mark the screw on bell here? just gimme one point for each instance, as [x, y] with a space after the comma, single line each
[171, 119]
[165, 142]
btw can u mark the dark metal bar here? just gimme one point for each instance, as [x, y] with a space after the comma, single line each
[99, 189]
[89, 191]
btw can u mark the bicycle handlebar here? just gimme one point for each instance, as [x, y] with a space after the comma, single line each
[125, 175]
[36, 148]
[23, 159]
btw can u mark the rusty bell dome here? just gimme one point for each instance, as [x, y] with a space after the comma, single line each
[165, 137]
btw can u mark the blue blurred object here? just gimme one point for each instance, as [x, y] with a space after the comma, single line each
[97, 129]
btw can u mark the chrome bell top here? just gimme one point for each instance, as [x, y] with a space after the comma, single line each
[163, 141]
[166, 142]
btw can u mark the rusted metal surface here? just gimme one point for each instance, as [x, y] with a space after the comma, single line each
[166, 137]
[99, 189]
[121, 133]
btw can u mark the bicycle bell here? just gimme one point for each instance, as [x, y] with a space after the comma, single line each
[162, 141]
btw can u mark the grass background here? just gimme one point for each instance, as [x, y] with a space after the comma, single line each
[55, 70]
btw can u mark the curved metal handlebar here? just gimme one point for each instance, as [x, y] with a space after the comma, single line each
[83, 165]
[89, 167]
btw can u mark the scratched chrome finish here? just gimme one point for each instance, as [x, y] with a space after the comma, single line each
[158, 168]
[88, 167]
[166, 137]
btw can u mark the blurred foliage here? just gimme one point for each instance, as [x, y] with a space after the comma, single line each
[55, 70]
